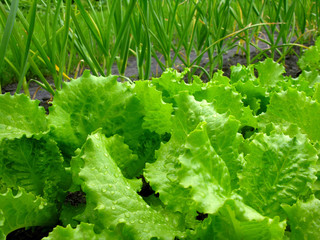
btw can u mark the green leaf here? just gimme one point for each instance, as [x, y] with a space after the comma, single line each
[111, 200]
[20, 116]
[295, 107]
[22, 209]
[310, 59]
[227, 100]
[34, 164]
[254, 94]
[203, 172]
[236, 220]
[222, 130]
[88, 103]
[279, 169]
[304, 219]
[218, 142]
[122, 155]
[171, 83]
[157, 114]
[83, 231]
[68, 213]
[163, 178]
[316, 95]
[269, 72]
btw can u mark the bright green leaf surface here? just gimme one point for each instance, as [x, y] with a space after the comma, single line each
[304, 219]
[178, 162]
[88, 103]
[270, 72]
[35, 165]
[226, 100]
[20, 116]
[122, 155]
[294, 107]
[111, 201]
[157, 114]
[22, 209]
[278, 169]
[222, 130]
[83, 231]
[310, 59]
[171, 83]
[203, 171]
[235, 220]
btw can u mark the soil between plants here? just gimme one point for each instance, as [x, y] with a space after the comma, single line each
[230, 59]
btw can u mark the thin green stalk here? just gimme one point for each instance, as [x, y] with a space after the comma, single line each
[64, 44]
[7, 32]
[24, 67]
[123, 28]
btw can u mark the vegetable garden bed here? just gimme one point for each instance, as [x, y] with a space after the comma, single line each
[234, 158]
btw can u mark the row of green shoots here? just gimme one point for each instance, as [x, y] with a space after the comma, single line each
[61, 38]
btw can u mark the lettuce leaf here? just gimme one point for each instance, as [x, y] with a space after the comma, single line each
[227, 100]
[19, 116]
[299, 109]
[111, 200]
[34, 164]
[304, 219]
[172, 83]
[192, 169]
[203, 172]
[279, 169]
[236, 220]
[269, 73]
[157, 114]
[310, 59]
[83, 231]
[88, 103]
[21, 209]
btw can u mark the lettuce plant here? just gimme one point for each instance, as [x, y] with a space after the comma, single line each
[233, 158]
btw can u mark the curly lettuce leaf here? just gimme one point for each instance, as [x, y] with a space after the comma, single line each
[226, 100]
[192, 178]
[171, 175]
[222, 130]
[162, 176]
[203, 172]
[279, 169]
[254, 94]
[88, 103]
[157, 114]
[304, 219]
[172, 83]
[111, 200]
[316, 95]
[19, 115]
[295, 107]
[269, 73]
[123, 156]
[22, 209]
[236, 220]
[83, 231]
[34, 164]
[310, 59]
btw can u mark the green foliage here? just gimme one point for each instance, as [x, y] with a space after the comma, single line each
[231, 158]
[20, 116]
[63, 35]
